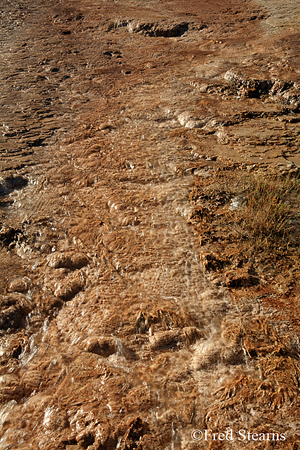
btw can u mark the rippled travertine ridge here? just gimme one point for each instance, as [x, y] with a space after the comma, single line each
[112, 334]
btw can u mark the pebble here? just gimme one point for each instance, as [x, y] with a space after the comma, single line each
[67, 260]
[105, 126]
[20, 285]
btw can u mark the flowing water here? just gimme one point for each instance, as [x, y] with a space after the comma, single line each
[126, 343]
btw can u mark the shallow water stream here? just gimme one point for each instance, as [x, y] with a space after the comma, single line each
[112, 336]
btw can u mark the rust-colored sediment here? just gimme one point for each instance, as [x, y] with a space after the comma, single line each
[113, 114]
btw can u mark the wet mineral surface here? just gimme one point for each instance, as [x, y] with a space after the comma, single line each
[116, 120]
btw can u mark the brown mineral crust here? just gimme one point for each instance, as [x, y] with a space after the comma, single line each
[128, 316]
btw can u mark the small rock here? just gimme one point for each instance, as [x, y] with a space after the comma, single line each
[150, 65]
[236, 203]
[21, 285]
[157, 29]
[172, 339]
[222, 136]
[164, 340]
[105, 126]
[67, 260]
[189, 122]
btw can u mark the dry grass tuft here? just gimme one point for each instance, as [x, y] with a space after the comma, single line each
[269, 217]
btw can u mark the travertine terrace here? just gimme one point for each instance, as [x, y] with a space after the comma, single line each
[115, 116]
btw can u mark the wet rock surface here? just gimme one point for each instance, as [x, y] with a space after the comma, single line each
[128, 318]
[67, 260]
